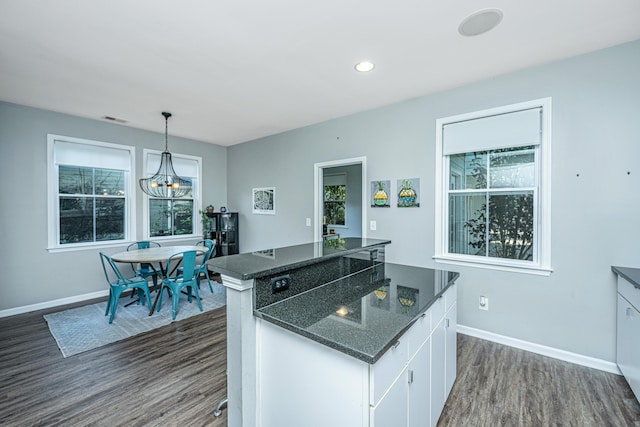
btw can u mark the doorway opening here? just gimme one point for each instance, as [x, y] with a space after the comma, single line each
[352, 172]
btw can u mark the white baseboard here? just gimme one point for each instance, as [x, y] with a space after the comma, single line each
[53, 303]
[556, 353]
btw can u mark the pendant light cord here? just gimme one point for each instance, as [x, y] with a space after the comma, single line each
[166, 130]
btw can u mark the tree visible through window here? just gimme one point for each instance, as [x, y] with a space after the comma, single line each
[91, 203]
[491, 204]
[335, 204]
[171, 217]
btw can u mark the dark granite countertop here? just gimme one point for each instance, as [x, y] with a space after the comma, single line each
[273, 261]
[364, 314]
[631, 274]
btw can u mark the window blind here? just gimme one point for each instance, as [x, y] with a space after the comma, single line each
[183, 166]
[493, 132]
[89, 155]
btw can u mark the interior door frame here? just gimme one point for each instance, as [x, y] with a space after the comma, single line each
[318, 170]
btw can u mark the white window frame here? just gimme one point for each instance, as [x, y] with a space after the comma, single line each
[53, 205]
[197, 196]
[542, 222]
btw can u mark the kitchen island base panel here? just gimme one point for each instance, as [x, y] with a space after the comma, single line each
[304, 383]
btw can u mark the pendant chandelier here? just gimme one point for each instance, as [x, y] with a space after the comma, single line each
[165, 183]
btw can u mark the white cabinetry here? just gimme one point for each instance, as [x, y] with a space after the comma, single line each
[302, 382]
[451, 345]
[419, 379]
[405, 400]
[391, 410]
[628, 339]
[438, 365]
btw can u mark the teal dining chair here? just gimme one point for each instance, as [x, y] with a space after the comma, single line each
[186, 278]
[210, 244]
[146, 269]
[118, 284]
[202, 266]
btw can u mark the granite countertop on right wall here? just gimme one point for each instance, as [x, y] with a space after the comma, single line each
[631, 274]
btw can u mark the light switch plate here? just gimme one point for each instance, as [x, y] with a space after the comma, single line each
[372, 225]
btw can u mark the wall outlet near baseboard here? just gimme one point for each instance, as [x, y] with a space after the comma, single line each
[483, 304]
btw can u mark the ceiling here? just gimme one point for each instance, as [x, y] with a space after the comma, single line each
[236, 70]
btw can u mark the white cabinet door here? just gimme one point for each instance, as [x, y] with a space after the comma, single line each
[391, 411]
[438, 339]
[386, 370]
[451, 319]
[629, 344]
[419, 379]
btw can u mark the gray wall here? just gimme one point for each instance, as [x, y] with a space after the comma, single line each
[30, 274]
[595, 134]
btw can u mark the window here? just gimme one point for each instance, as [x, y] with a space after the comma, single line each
[89, 192]
[174, 216]
[494, 197]
[335, 199]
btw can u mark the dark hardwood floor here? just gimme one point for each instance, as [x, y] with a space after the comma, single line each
[171, 376]
[503, 386]
[175, 376]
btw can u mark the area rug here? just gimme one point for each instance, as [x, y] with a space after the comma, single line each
[84, 328]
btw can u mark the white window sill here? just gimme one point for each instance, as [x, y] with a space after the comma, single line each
[88, 246]
[493, 265]
[166, 240]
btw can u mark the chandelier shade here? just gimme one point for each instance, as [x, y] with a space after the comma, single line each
[165, 183]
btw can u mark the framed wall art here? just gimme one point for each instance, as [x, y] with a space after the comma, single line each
[408, 193]
[380, 191]
[264, 201]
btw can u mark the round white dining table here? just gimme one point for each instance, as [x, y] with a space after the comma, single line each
[158, 254]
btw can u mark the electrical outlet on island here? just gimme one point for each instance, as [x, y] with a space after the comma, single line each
[280, 283]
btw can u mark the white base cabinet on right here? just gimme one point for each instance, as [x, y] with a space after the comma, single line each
[628, 337]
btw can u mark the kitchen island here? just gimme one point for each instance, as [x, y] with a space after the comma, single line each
[330, 334]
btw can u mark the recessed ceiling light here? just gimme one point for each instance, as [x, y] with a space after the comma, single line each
[365, 66]
[480, 22]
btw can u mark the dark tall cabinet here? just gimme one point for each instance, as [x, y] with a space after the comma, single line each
[223, 228]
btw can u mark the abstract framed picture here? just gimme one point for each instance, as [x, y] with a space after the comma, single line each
[264, 201]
